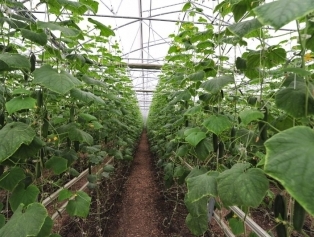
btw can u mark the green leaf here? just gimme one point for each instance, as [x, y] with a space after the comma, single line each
[14, 135]
[40, 38]
[269, 58]
[193, 110]
[20, 103]
[195, 135]
[297, 70]
[87, 117]
[292, 100]
[66, 31]
[217, 123]
[86, 96]
[197, 76]
[92, 81]
[21, 91]
[96, 125]
[14, 61]
[236, 225]
[10, 179]
[80, 205]
[2, 220]
[92, 178]
[26, 151]
[26, 221]
[108, 168]
[46, 228]
[104, 30]
[197, 225]
[92, 5]
[289, 159]
[21, 195]
[249, 115]
[76, 134]
[203, 149]
[57, 82]
[200, 186]
[186, 6]
[64, 194]
[216, 84]
[57, 164]
[242, 28]
[242, 186]
[280, 13]
[183, 150]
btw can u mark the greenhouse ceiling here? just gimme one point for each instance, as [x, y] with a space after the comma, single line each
[142, 30]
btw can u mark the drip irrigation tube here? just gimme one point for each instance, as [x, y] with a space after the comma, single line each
[256, 228]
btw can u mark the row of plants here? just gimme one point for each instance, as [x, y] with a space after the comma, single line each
[243, 120]
[65, 98]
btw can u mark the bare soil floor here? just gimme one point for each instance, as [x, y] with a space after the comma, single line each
[138, 214]
[143, 211]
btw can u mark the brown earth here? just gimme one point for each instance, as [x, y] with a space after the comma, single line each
[142, 210]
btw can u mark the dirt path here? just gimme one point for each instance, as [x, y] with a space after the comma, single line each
[138, 216]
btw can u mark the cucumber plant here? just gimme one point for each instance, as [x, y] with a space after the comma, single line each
[238, 119]
[62, 99]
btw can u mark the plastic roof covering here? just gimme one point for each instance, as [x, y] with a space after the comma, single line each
[142, 29]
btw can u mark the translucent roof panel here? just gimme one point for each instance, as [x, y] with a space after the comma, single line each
[142, 30]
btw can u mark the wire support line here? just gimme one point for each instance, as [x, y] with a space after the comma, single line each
[158, 8]
[146, 47]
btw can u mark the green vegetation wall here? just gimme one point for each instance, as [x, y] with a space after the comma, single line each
[236, 105]
[66, 103]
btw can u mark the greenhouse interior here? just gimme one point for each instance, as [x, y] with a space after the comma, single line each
[182, 118]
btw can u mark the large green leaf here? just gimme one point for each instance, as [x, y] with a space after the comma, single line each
[14, 61]
[20, 103]
[242, 28]
[249, 115]
[197, 225]
[25, 221]
[10, 179]
[91, 4]
[57, 82]
[203, 149]
[217, 123]
[92, 81]
[196, 208]
[216, 84]
[200, 186]
[13, 136]
[46, 228]
[21, 195]
[289, 159]
[26, 151]
[86, 96]
[76, 134]
[104, 30]
[38, 37]
[183, 150]
[242, 186]
[57, 164]
[292, 100]
[80, 205]
[194, 136]
[280, 13]
[66, 31]
[270, 57]
[197, 76]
